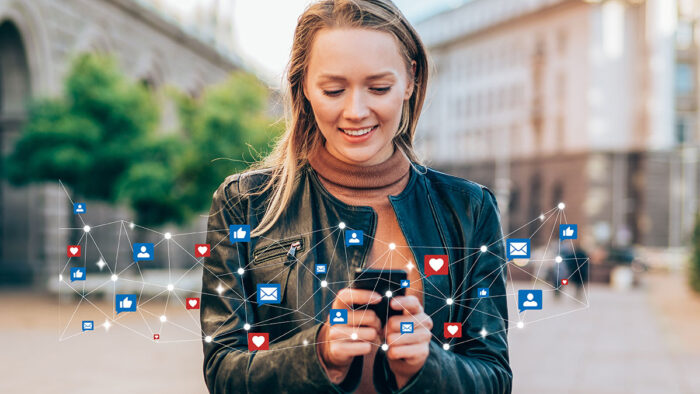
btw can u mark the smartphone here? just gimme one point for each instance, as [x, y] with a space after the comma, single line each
[380, 281]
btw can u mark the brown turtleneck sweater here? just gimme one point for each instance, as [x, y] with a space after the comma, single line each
[372, 186]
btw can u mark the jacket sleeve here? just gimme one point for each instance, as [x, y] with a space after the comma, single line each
[290, 365]
[476, 363]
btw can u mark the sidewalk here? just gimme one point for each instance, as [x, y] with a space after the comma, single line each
[617, 345]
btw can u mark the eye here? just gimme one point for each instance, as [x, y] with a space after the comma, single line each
[381, 90]
[333, 93]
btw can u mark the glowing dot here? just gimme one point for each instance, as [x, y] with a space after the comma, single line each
[171, 287]
[168, 235]
[101, 263]
[541, 217]
[561, 205]
[484, 248]
[385, 347]
[353, 336]
[219, 289]
[114, 277]
[306, 342]
[241, 271]
[388, 294]
[163, 318]
[521, 324]
[106, 324]
[449, 301]
[557, 259]
[483, 332]
[86, 228]
[409, 266]
[446, 346]
[324, 283]
[207, 339]
[131, 225]
[60, 278]
[392, 246]
[246, 326]
[341, 225]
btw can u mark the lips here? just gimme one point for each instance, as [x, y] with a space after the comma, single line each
[358, 131]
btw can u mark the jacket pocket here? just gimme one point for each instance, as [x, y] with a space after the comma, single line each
[272, 254]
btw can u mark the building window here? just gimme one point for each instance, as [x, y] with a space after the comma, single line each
[684, 79]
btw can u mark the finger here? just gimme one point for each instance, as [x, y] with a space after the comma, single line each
[348, 297]
[409, 304]
[408, 352]
[420, 321]
[396, 339]
[366, 317]
[343, 333]
[347, 350]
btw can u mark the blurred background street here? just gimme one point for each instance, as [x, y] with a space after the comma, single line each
[140, 108]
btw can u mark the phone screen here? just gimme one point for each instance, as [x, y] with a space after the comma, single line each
[380, 281]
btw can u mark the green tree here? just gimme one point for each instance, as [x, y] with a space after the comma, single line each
[100, 139]
[695, 256]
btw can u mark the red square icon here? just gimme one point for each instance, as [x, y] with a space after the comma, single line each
[202, 250]
[156, 337]
[435, 264]
[453, 330]
[258, 341]
[73, 250]
[192, 303]
[564, 282]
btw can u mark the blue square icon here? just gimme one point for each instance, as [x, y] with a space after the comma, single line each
[88, 325]
[239, 233]
[568, 231]
[407, 327]
[79, 207]
[339, 316]
[77, 273]
[405, 283]
[518, 248]
[143, 252]
[321, 268]
[125, 303]
[269, 293]
[482, 292]
[529, 299]
[353, 237]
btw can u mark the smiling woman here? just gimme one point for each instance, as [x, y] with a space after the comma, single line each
[357, 80]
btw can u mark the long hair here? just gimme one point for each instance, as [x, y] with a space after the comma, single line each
[302, 134]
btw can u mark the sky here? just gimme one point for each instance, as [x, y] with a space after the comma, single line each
[264, 29]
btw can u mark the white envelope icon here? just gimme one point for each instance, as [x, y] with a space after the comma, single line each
[406, 327]
[269, 294]
[518, 248]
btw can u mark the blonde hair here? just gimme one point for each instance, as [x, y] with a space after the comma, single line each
[302, 134]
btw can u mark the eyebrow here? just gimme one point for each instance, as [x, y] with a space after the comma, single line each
[369, 78]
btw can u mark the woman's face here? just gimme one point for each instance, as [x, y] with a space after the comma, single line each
[357, 82]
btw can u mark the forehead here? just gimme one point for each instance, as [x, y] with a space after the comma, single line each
[354, 52]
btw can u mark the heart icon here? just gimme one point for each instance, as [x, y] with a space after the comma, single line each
[73, 250]
[202, 249]
[436, 264]
[452, 329]
[193, 302]
[258, 340]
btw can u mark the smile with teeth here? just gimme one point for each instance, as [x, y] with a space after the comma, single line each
[358, 132]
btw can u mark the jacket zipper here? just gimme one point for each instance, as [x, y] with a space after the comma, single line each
[289, 248]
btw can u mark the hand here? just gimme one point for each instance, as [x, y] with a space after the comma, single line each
[407, 352]
[336, 347]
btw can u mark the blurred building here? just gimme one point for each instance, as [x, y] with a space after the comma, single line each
[586, 102]
[37, 40]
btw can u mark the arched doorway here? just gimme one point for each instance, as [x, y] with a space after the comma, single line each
[17, 256]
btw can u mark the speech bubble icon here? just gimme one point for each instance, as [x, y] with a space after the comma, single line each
[435, 264]
[338, 316]
[125, 303]
[77, 273]
[529, 300]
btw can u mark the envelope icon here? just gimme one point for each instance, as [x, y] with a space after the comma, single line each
[268, 293]
[406, 328]
[518, 248]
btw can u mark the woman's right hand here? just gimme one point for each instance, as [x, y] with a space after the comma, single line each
[336, 346]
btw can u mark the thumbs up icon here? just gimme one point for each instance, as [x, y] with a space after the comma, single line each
[77, 273]
[239, 233]
[568, 231]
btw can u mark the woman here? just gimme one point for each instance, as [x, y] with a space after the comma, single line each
[357, 81]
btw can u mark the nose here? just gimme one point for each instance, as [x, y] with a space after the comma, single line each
[355, 106]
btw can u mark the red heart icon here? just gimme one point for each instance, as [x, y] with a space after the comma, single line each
[202, 250]
[258, 341]
[564, 282]
[73, 250]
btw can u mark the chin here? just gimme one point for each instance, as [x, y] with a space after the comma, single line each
[359, 155]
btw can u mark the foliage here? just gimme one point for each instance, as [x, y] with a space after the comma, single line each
[101, 139]
[695, 256]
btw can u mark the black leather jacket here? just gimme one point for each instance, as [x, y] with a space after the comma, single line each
[438, 214]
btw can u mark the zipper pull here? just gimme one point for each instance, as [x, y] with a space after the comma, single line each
[291, 254]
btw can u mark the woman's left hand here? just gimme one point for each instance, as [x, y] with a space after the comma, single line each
[407, 352]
